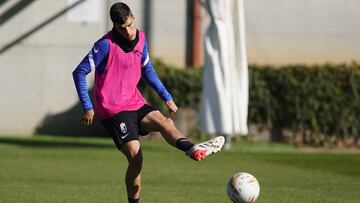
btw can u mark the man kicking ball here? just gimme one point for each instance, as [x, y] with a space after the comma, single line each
[120, 59]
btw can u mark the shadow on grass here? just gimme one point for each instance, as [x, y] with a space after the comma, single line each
[54, 143]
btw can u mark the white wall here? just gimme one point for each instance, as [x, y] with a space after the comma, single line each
[277, 31]
[169, 28]
[35, 75]
[306, 31]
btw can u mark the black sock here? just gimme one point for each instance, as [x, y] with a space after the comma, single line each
[183, 144]
[133, 200]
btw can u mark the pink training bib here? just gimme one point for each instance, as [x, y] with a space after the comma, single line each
[115, 88]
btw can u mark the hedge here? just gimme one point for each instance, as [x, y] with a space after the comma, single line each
[322, 99]
[185, 85]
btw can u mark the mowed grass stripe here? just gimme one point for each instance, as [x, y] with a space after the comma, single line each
[60, 169]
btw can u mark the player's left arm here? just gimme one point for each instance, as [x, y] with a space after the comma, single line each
[149, 75]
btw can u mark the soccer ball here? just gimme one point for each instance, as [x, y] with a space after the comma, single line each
[243, 187]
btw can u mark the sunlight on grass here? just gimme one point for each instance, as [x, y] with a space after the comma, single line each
[69, 169]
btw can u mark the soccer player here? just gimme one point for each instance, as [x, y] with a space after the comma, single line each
[120, 59]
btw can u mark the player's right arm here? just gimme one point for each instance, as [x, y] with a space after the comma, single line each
[95, 59]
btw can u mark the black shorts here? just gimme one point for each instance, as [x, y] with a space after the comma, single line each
[125, 126]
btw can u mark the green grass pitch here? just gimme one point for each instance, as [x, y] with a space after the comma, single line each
[58, 169]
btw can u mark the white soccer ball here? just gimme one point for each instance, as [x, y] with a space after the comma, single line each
[243, 188]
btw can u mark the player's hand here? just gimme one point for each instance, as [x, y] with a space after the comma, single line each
[172, 106]
[88, 117]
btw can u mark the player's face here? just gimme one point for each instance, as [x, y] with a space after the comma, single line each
[128, 29]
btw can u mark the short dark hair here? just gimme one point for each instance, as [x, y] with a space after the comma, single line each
[119, 12]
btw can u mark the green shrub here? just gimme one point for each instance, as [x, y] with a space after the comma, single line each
[183, 84]
[323, 99]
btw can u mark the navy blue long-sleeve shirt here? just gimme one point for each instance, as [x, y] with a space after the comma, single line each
[97, 59]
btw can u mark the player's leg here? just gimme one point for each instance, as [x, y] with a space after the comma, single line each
[124, 130]
[132, 151]
[156, 121]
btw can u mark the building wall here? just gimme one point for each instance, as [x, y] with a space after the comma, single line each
[35, 74]
[36, 85]
[306, 31]
[169, 29]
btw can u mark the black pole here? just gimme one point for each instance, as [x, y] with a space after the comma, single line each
[147, 19]
[189, 25]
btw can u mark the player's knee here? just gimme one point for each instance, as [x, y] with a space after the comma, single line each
[168, 123]
[136, 161]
